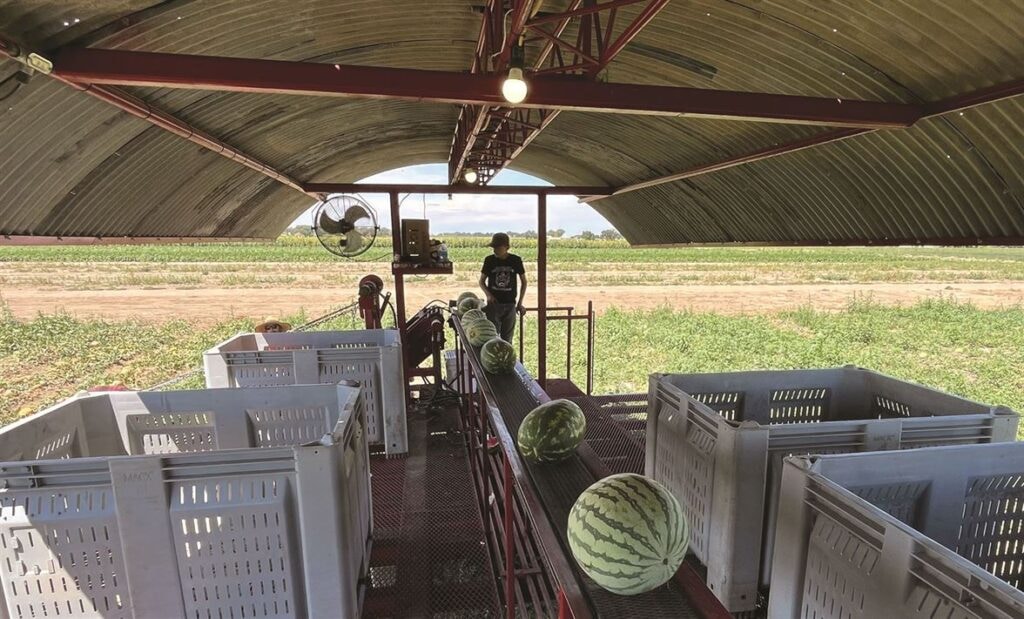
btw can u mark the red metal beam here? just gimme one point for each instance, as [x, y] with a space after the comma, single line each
[764, 153]
[956, 103]
[587, 10]
[26, 240]
[93, 66]
[476, 135]
[507, 190]
[168, 122]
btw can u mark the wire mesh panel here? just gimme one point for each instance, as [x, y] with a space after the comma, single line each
[718, 442]
[370, 358]
[931, 532]
[430, 555]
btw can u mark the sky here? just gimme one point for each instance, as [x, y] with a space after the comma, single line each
[469, 213]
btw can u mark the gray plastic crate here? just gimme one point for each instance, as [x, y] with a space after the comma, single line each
[202, 525]
[718, 440]
[919, 534]
[373, 358]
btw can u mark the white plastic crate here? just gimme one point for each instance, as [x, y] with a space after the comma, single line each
[718, 440]
[373, 358]
[919, 534]
[452, 373]
[203, 524]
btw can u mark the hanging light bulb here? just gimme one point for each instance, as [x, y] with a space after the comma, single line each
[470, 176]
[514, 88]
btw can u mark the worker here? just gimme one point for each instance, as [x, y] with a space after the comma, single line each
[498, 280]
[272, 325]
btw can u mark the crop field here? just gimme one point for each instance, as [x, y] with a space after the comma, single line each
[75, 317]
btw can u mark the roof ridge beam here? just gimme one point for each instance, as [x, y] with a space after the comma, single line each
[159, 70]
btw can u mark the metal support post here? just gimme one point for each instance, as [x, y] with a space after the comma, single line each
[542, 290]
[564, 612]
[396, 245]
[590, 347]
[510, 548]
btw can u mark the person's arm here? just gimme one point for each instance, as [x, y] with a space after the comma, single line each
[522, 293]
[522, 287]
[486, 290]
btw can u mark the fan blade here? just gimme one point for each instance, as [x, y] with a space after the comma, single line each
[355, 213]
[353, 242]
[328, 225]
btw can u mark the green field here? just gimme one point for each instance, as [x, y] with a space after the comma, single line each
[979, 354]
[974, 352]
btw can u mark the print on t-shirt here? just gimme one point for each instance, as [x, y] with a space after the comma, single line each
[502, 275]
[503, 278]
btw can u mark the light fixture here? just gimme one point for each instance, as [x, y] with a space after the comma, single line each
[514, 87]
[470, 176]
[450, 200]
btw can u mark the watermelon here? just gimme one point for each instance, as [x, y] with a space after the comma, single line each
[472, 316]
[480, 331]
[467, 304]
[497, 356]
[552, 431]
[628, 533]
[469, 294]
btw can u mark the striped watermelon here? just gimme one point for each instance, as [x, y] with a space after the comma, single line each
[628, 533]
[497, 356]
[472, 316]
[480, 331]
[467, 304]
[469, 294]
[552, 431]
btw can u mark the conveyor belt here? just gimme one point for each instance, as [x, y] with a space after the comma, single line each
[558, 486]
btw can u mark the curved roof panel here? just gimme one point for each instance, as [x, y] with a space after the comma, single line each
[71, 165]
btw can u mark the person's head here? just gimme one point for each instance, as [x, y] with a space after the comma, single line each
[499, 243]
[272, 325]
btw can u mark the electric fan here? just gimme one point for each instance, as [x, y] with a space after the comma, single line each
[345, 225]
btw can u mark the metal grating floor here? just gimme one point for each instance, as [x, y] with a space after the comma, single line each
[429, 556]
[616, 425]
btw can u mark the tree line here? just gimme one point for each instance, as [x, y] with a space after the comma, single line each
[558, 233]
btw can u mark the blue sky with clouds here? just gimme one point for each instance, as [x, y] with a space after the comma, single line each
[469, 213]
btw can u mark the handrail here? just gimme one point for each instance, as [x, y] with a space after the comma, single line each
[561, 570]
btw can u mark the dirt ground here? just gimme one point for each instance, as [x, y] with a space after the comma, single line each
[210, 305]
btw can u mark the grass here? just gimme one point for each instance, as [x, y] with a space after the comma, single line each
[299, 262]
[957, 347]
[561, 251]
[50, 357]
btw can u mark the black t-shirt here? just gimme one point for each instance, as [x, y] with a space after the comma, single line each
[502, 276]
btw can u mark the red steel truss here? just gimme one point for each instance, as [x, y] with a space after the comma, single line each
[579, 41]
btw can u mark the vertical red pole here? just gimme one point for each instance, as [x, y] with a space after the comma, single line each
[590, 347]
[563, 606]
[522, 325]
[568, 345]
[396, 244]
[510, 547]
[542, 289]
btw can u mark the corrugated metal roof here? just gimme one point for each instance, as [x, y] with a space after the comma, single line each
[71, 165]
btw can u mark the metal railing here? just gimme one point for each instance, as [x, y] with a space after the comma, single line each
[535, 570]
[565, 313]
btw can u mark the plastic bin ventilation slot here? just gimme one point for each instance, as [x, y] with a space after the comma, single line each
[917, 534]
[718, 440]
[373, 358]
[210, 503]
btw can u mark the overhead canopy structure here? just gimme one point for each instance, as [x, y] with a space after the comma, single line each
[924, 142]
